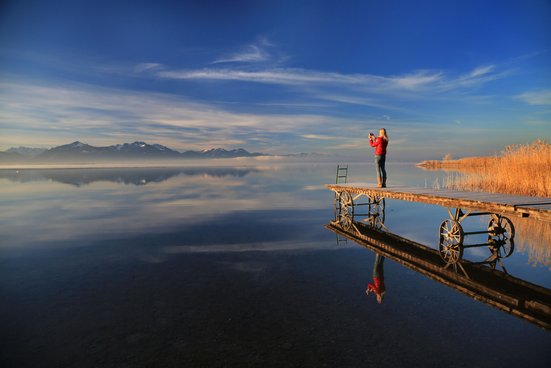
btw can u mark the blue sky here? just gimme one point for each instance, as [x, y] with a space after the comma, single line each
[460, 77]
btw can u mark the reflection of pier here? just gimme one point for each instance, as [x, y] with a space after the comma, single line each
[496, 288]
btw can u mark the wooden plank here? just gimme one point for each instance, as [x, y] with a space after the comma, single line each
[543, 205]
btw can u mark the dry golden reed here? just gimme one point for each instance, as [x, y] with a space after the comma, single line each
[519, 170]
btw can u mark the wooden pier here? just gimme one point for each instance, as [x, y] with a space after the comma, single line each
[523, 206]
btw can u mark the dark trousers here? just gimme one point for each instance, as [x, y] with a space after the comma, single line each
[380, 168]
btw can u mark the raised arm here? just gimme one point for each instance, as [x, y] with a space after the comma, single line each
[374, 142]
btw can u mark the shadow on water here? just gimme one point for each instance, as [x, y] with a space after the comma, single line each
[141, 176]
[481, 280]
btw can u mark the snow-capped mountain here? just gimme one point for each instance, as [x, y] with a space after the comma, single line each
[222, 153]
[142, 149]
[136, 150]
[123, 151]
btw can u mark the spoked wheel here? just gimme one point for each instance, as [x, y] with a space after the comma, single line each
[346, 210]
[450, 244]
[500, 235]
[378, 202]
[376, 212]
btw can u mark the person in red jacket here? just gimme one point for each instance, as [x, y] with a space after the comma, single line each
[378, 285]
[380, 143]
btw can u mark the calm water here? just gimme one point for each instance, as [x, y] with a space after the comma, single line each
[228, 266]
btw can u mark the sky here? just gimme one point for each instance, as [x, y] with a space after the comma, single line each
[458, 77]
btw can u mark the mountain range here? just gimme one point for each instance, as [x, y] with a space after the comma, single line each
[126, 151]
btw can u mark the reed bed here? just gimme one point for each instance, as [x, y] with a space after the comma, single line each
[519, 170]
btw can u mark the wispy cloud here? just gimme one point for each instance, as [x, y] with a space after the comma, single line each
[427, 81]
[260, 51]
[273, 76]
[540, 97]
[143, 67]
[481, 70]
[319, 115]
[416, 80]
[251, 53]
[33, 114]
[318, 136]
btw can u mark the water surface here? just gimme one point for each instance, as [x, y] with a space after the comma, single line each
[231, 266]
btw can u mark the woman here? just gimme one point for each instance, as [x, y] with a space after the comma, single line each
[380, 144]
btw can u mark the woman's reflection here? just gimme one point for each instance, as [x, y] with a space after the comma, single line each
[378, 285]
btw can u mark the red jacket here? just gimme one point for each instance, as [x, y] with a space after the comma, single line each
[380, 145]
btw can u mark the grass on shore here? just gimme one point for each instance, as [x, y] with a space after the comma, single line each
[519, 170]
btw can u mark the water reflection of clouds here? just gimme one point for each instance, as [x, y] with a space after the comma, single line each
[250, 247]
[248, 267]
[48, 212]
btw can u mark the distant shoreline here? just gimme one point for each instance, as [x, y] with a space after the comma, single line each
[124, 165]
[222, 162]
[462, 164]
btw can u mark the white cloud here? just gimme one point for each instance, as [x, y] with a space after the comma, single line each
[541, 97]
[481, 70]
[430, 82]
[417, 80]
[318, 136]
[350, 144]
[260, 51]
[143, 67]
[275, 76]
[479, 76]
[34, 114]
[251, 53]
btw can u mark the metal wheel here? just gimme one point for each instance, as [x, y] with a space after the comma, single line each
[346, 210]
[500, 235]
[450, 244]
[336, 206]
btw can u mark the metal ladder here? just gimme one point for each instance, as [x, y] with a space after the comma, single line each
[342, 173]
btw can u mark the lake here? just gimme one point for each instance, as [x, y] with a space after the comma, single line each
[232, 266]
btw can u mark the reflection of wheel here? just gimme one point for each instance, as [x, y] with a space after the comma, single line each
[376, 212]
[450, 244]
[378, 202]
[500, 235]
[345, 220]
